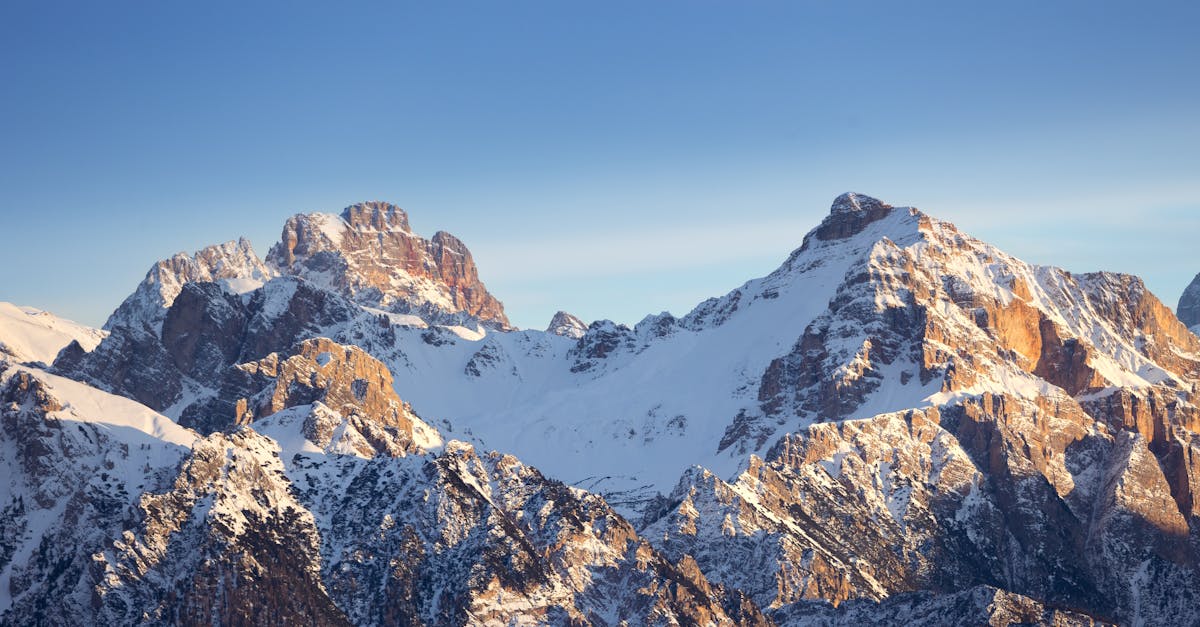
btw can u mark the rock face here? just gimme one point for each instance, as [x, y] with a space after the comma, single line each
[983, 605]
[1189, 304]
[205, 331]
[1040, 400]
[76, 460]
[193, 316]
[343, 379]
[233, 264]
[945, 501]
[371, 256]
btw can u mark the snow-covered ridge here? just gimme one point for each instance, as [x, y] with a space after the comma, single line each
[28, 334]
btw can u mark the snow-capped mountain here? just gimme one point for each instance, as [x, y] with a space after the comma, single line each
[901, 423]
[28, 334]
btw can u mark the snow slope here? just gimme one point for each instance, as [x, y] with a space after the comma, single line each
[628, 423]
[28, 334]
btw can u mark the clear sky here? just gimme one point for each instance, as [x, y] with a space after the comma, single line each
[613, 159]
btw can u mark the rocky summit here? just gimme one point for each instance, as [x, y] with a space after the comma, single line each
[902, 424]
[370, 255]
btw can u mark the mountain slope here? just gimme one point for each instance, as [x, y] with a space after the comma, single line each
[74, 461]
[28, 334]
[334, 506]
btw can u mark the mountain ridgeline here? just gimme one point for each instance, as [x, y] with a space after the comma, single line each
[901, 424]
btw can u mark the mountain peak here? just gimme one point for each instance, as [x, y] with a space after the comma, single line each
[853, 202]
[233, 263]
[849, 215]
[566, 325]
[370, 255]
[376, 215]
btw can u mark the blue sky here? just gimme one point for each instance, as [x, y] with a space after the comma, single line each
[611, 159]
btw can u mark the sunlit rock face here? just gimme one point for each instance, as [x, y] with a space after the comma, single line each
[370, 255]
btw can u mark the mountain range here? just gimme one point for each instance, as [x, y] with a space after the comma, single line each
[900, 424]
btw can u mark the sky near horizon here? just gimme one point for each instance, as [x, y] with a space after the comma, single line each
[610, 159]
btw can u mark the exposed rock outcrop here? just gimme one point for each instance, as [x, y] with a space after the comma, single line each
[371, 256]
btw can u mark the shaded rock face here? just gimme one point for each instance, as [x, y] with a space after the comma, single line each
[203, 329]
[849, 215]
[1188, 309]
[131, 362]
[602, 338]
[371, 255]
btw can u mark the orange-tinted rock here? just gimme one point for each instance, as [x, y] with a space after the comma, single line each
[371, 255]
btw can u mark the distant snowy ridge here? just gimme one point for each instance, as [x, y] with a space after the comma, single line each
[28, 334]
